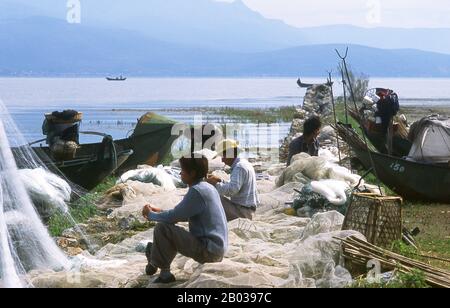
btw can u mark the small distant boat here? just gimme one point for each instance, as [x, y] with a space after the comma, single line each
[121, 78]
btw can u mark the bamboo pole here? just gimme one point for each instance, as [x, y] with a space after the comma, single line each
[330, 84]
[360, 252]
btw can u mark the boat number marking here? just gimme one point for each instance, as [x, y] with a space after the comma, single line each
[397, 167]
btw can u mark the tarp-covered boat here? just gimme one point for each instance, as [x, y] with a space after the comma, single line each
[150, 141]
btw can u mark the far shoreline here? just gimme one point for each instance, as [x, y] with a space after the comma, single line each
[337, 78]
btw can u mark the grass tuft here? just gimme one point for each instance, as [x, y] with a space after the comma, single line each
[80, 210]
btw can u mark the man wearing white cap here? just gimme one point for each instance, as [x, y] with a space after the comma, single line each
[239, 195]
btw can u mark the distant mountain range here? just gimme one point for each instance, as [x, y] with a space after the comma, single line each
[224, 26]
[200, 38]
[45, 46]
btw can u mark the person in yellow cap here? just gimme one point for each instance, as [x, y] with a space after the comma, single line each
[239, 195]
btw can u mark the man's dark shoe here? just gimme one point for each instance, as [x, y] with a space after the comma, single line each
[165, 280]
[150, 270]
[148, 251]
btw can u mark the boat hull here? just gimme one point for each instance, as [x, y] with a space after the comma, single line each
[86, 171]
[411, 180]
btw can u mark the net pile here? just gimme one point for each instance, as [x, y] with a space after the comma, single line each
[309, 168]
[274, 250]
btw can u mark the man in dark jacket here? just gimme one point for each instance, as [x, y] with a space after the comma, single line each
[307, 143]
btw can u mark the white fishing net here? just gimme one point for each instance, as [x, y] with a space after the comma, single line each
[276, 170]
[148, 187]
[311, 167]
[278, 198]
[24, 241]
[265, 186]
[273, 250]
[334, 191]
[48, 192]
[148, 174]
[136, 194]
[305, 167]
[214, 161]
[263, 254]
[323, 223]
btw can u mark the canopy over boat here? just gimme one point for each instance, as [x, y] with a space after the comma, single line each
[151, 140]
[431, 140]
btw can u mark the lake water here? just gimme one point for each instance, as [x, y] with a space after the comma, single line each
[113, 107]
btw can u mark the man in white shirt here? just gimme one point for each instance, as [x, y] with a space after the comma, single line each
[239, 195]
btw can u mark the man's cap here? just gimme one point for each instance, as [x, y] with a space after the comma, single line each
[227, 145]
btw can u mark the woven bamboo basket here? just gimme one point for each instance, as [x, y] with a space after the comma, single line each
[377, 217]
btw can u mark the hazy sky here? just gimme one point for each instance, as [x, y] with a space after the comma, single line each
[366, 13]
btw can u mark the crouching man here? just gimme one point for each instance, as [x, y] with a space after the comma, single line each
[239, 195]
[308, 142]
[207, 239]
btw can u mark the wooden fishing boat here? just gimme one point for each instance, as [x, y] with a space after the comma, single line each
[92, 163]
[116, 78]
[411, 180]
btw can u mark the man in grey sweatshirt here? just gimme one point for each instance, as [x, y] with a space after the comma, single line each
[207, 238]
